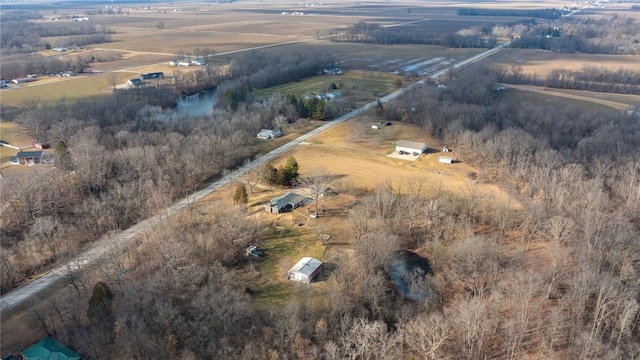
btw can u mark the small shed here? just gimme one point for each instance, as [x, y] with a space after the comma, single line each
[269, 134]
[284, 203]
[445, 159]
[49, 348]
[305, 270]
[411, 146]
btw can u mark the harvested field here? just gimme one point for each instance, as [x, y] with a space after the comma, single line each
[580, 98]
[541, 62]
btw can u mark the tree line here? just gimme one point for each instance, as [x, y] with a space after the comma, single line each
[589, 77]
[364, 32]
[550, 14]
[611, 34]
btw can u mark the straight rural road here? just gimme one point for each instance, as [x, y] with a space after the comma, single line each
[111, 243]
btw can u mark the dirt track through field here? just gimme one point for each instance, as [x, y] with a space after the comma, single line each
[551, 92]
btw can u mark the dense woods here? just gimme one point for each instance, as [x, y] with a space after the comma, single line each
[612, 34]
[549, 271]
[490, 294]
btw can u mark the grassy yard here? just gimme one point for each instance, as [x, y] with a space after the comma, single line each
[352, 83]
[51, 90]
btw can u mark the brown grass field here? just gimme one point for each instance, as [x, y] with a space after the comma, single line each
[560, 97]
[541, 63]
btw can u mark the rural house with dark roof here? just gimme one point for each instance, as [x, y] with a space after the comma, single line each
[284, 203]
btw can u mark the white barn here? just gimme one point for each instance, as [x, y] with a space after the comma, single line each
[305, 270]
[411, 146]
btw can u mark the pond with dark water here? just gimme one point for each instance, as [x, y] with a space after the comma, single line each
[200, 104]
[408, 273]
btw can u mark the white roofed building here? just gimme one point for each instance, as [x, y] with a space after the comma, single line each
[305, 270]
[411, 146]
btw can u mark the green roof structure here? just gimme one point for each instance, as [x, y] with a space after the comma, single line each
[49, 349]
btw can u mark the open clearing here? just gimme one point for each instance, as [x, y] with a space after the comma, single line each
[616, 101]
[541, 63]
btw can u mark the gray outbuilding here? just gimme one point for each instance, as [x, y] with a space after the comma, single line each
[305, 270]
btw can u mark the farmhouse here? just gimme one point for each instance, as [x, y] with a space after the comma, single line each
[198, 62]
[269, 134]
[31, 158]
[49, 348]
[135, 82]
[305, 270]
[410, 147]
[152, 75]
[284, 203]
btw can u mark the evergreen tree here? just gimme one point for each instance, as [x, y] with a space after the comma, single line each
[63, 156]
[288, 172]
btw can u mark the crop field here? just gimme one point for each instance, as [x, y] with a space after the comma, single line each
[583, 99]
[542, 63]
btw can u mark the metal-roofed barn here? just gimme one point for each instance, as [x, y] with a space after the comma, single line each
[49, 348]
[305, 270]
[411, 146]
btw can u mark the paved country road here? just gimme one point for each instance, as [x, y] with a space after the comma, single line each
[111, 243]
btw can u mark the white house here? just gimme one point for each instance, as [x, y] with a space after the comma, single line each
[135, 82]
[305, 270]
[269, 134]
[410, 147]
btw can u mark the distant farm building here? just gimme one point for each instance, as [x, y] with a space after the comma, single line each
[151, 76]
[445, 159]
[31, 158]
[269, 134]
[49, 348]
[23, 80]
[305, 270]
[284, 203]
[333, 71]
[410, 147]
[198, 62]
[135, 82]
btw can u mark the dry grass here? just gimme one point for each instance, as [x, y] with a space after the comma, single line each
[364, 164]
[541, 63]
[375, 84]
[54, 89]
[560, 97]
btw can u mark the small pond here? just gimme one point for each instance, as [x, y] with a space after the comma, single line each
[408, 272]
[200, 104]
